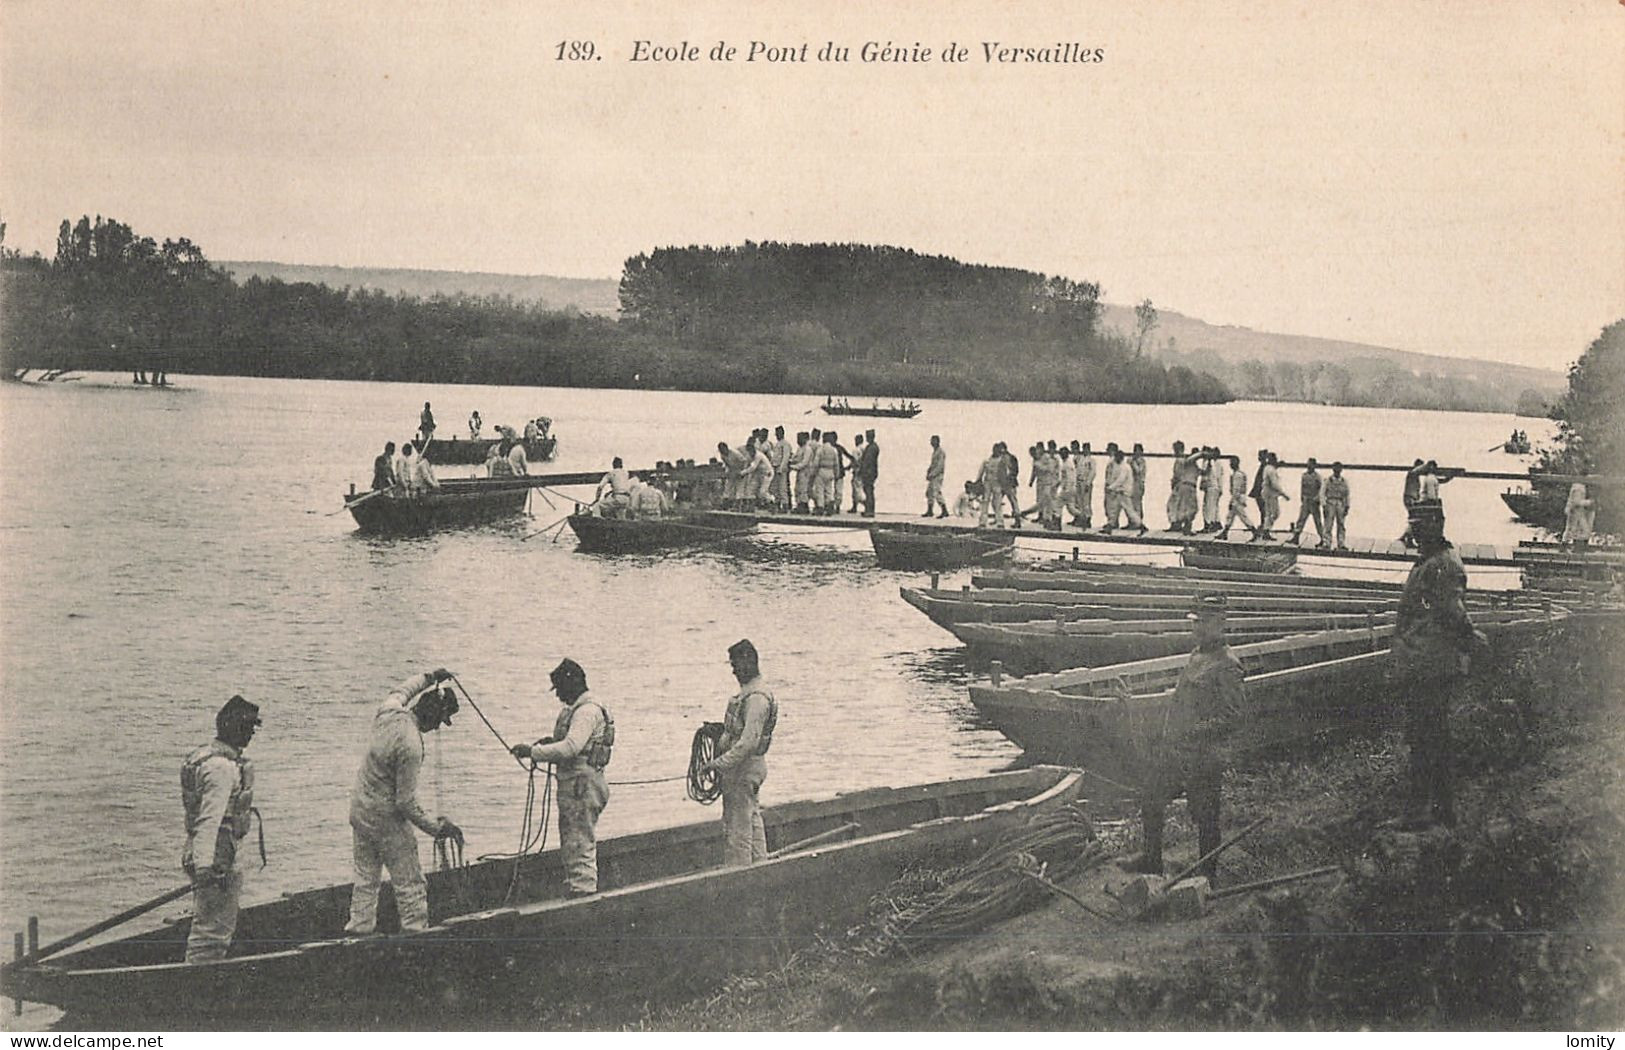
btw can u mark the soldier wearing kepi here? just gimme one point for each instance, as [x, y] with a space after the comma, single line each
[579, 750]
[217, 792]
[1433, 643]
[741, 762]
[384, 804]
[1189, 749]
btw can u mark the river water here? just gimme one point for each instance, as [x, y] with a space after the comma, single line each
[162, 550]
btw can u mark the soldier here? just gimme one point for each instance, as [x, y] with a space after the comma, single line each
[1309, 494]
[579, 749]
[1188, 749]
[1336, 494]
[384, 805]
[1433, 644]
[1084, 517]
[741, 761]
[217, 793]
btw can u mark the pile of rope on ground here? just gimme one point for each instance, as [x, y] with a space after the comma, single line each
[1007, 880]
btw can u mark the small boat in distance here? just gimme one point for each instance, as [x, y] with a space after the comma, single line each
[896, 410]
[668, 918]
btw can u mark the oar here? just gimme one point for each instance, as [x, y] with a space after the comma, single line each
[106, 924]
[357, 502]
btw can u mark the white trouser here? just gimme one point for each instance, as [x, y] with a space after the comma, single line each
[744, 841]
[581, 798]
[214, 917]
[992, 507]
[395, 847]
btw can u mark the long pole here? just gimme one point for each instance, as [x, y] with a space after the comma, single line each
[106, 924]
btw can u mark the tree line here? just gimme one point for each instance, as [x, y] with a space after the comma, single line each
[775, 318]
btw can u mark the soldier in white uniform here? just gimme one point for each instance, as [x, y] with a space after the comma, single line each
[217, 792]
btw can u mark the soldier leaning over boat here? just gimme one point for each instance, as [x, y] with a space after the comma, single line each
[384, 805]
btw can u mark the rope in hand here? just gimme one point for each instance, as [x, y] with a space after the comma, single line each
[704, 785]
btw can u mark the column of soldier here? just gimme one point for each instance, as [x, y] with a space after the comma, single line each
[807, 477]
[1209, 492]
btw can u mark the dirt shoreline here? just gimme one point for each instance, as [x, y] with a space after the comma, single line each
[1510, 921]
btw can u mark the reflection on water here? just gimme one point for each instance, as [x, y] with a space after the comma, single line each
[163, 550]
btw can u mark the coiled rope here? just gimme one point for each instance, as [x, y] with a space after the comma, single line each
[704, 785]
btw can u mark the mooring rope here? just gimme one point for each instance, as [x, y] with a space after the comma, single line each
[704, 785]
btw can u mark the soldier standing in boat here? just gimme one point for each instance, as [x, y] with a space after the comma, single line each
[1189, 750]
[384, 803]
[741, 761]
[217, 793]
[426, 424]
[579, 751]
[1432, 653]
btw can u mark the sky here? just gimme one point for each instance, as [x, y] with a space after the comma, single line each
[1443, 177]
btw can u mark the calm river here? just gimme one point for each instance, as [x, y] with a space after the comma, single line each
[162, 550]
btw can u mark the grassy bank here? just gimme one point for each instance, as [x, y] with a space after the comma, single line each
[1512, 921]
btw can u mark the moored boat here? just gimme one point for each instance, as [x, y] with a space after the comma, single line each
[679, 528]
[927, 550]
[667, 917]
[995, 605]
[1223, 555]
[1044, 646]
[457, 502]
[1297, 687]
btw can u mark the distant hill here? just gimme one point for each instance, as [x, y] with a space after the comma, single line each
[1198, 344]
[588, 295]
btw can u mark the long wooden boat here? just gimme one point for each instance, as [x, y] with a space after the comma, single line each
[993, 605]
[462, 452]
[1045, 646]
[1062, 568]
[667, 917]
[457, 503]
[1224, 555]
[894, 412]
[681, 528]
[1023, 579]
[1297, 688]
[925, 550]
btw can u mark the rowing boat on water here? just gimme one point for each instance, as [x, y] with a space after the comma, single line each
[927, 550]
[667, 917]
[1298, 687]
[1107, 582]
[681, 528]
[1042, 646]
[463, 452]
[457, 502]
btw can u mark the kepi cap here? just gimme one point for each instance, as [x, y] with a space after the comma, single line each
[1210, 604]
[568, 671]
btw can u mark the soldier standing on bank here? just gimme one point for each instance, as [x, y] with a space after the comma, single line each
[1187, 751]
